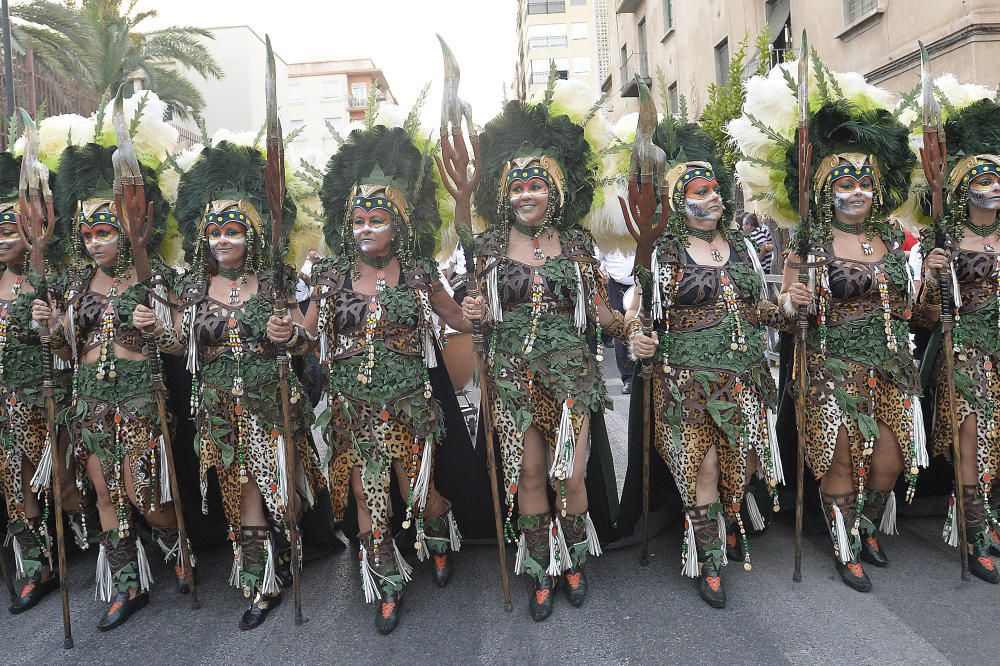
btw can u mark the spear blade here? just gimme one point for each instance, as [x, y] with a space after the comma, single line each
[931, 107]
[29, 180]
[124, 159]
[452, 77]
[275, 168]
[648, 159]
[804, 81]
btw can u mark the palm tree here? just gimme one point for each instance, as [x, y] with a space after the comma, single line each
[98, 43]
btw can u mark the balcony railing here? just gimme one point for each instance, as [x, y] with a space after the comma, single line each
[554, 42]
[777, 56]
[637, 63]
[546, 6]
[355, 101]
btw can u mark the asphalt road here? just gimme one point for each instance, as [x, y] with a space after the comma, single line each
[919, 612]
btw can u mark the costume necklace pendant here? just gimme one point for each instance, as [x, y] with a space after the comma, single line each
[716, 255]
[537, 248]
[866, 245]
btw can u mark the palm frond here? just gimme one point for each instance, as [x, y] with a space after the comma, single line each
[371, 106]
[334, 133]
[412, 122]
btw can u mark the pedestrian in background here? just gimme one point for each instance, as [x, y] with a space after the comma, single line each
[762, 239]
[617, 268]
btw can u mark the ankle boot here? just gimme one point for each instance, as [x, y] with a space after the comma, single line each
[440, 536]
[839, 511]
[977, 534]
[258, 575]
[710, 549]
[384, 573]
[533, 558]
[581, 540]
[119, 580]
[876, 502]
[169, 541]
[30, 563]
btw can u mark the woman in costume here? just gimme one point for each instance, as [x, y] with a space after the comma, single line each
[863, 419]
[712, 388]
[541, 301]
[112, 417]
[970, 226]
[230, 332]
[373, 306]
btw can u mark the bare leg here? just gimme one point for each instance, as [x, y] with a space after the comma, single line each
[576, 485]
[532, 496]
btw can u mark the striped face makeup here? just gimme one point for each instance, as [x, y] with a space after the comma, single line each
[984, 191]
[227, 242]
[702, 200]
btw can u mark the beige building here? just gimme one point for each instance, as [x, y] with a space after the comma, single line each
[334, 92]
[574, 34]
[691, 42]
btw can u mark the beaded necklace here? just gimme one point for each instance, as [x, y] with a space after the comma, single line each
[864, 237]
[984, 232]
[106, 334]
[374, 314]
[534, 233]
[709, 237]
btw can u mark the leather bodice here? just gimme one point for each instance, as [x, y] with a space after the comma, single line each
[977, 279]
[90, 308]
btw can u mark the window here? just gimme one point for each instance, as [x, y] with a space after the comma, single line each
[578, 2]
[546, 6]
[549, 35]
[581, 65]
[540, 69]
[642, 36]
[295, 93]
[668, 15]
[672, 96]
[855, 10]
[579, 31]
[295, 125]
[333, 89]
[336, 123]
[722, 62]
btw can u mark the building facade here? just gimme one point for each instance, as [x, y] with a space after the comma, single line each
[333, 92]
[690, 43]
[574, 34]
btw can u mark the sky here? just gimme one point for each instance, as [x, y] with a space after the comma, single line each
[399, 35]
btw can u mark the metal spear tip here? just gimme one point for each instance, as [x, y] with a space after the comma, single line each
[29, 180]
[271, 93]
[451, 105]
[124, 159]
[648, 160]
[803, 93]
[931, 107]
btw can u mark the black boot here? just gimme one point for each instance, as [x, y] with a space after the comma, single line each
[709, 545]
[123, 563]
[575, 578]
[977, 533]
[264, 591]
[32, 565]
[872, 551]
[438, 537]
[535, 532]
[851, 571]
[168, 539]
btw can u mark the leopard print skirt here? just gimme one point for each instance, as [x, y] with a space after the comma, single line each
[372, 437]
[684, 444]
[875, 395]
[252, 451]
[22, 437]
[985, 389]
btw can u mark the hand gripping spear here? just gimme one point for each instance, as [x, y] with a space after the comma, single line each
[453, 164]
[136, 218]
[646, 170]
[37, 226]
[802, 379]
[274, 182]
[934, 159]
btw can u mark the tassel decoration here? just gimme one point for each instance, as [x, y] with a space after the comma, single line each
[192, 341]
[282, 475]
[493, 294]
[772, 442]
[565, 451]
[18, 556]
[950, 533]
[104, 590]
[237, 568]
[43, 473]
[166, 494]
[522, 555]
[690, 568]
[269, 582]
[840, 531]
[580, 311]
[757, 266]
[888, 522]
[593, 543]
[422, 485]
[454, 536]
[921, 459]
[720, 520]
[161, 305]
[404, 568]
[756, 518]
[657, 296]
[559, 559]
[368, 578]
[145, 575]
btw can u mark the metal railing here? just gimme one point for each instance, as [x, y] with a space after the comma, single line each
[637, 63]
[553, 42]
[855, 10]
[546, 6]
[354, 101]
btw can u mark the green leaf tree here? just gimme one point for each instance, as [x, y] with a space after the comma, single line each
[100, 44]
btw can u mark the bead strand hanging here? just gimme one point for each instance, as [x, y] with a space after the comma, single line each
[5, 318]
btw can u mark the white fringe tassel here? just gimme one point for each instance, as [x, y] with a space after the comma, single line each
[840, 530]
[18, 556]
[757, 266]
[282, 475]
[423, 483]
[772, 442]
[166, 495]
[580, 311]
[720, 520]
[423, 552]
[950, 533]
[919, 432]
[192, 340]
[657, 297]
[237, 568]
[145, 575]
[269, 583]
[493, 294]
[79, 536]
[756, 518]
[368, 578]
[402, 565]
[559, 559]
[888, 523]
[690, 568]
[564, 456]
[105, 588]
[71, 331]
[454, 536]
[160, 306]
[43, 473]
[522, 555]
[956, 293]
[593, 543]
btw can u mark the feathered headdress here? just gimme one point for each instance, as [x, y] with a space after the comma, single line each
[851, 126]
[563, 135]
[971, 116]
[382, 167]
[226, 182]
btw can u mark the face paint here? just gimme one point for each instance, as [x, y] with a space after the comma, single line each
[11, 243]
[984, 191]
[372, 231]
[227, 242]
[529, 200]
[101, 241]
[702, 201]
[852, 198]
